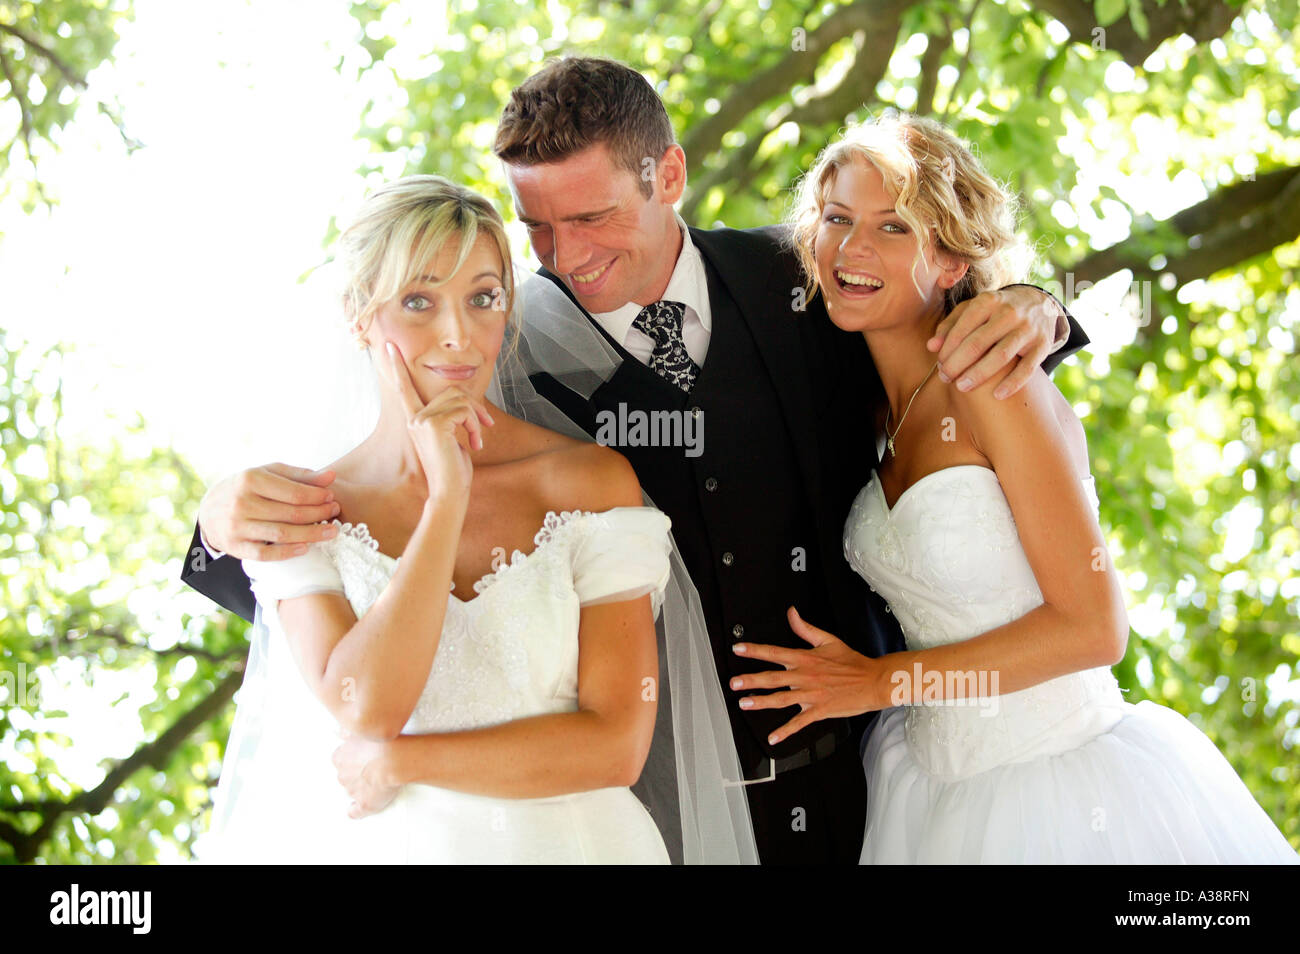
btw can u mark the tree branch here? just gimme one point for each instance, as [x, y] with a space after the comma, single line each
[1200, 19]
[1232, 199]
[795, 68]
[1212, 243]
[25, 114]
[24, 106]
[131, 143]
[11, 835]
[964, 64]
[931, 60]
[1221, 230]
[94, 801]
[1254, 233]
[180, 649]
[856, 88]
[71, 75]
[1040, 87]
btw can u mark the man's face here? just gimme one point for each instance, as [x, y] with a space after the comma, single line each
[590, 224]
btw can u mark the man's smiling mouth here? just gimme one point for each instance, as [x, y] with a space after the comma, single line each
[589, 277]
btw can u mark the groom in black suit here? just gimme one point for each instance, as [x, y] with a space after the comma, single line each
[709, 324]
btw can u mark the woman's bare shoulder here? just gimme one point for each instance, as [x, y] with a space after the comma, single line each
[571, 474]
[1037, 405]
[584, 476]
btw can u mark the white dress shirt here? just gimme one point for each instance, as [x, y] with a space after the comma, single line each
[688, 285]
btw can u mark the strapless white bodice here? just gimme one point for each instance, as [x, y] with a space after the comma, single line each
[948, 559]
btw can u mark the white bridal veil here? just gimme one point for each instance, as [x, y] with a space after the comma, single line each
[690, 783]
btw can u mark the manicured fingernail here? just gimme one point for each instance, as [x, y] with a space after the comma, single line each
[740, 648]
[773, 739]
[943, 377]
[964, 384]
[1000, 393]
[736, 683]
[300, 549]
[746, 703]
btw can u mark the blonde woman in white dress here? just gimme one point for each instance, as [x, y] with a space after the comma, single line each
[1005, 738]
[475, 708]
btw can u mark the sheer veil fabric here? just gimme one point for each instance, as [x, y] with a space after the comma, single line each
[691, 781]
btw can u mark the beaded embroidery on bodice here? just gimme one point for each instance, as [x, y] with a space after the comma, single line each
[949, 561]
[507, 652]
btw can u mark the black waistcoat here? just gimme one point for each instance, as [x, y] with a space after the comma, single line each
[742, 515]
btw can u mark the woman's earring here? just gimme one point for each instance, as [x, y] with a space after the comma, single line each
[358, 337]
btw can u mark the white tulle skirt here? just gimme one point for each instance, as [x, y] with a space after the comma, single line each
[1151, 790]
[292, 810]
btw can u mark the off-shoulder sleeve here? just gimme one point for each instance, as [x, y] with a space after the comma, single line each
[275, 580]
[622, 554]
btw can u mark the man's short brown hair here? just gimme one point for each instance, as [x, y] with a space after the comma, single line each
[577, 102]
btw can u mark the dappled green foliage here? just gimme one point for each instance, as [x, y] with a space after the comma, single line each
[47, 48]
[1192, 406]
[94, 628]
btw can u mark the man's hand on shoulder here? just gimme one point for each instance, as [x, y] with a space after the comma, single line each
[1013, 329]
[268, 513]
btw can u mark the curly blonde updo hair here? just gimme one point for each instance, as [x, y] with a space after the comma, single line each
[940, 191]
[400, 228]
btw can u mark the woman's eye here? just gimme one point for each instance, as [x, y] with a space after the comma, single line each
[482, 300]
[896, 227]
[836, 219]
[415, 302]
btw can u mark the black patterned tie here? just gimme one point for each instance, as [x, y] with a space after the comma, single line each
[662, 321]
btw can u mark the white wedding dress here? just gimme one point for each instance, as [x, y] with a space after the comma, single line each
[1062, 772]
[508, 652]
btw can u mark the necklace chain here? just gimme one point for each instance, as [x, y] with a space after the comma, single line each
[889, 438]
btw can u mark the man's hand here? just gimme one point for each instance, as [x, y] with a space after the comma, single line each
[1013, 328]
[269, 513]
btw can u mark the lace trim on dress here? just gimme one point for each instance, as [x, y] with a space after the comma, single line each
[551, 530]
[555, 526]
[363, 577]
[358, 531]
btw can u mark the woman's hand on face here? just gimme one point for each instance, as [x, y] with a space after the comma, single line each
[433, 426]
[828, 681]
[357, 762]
